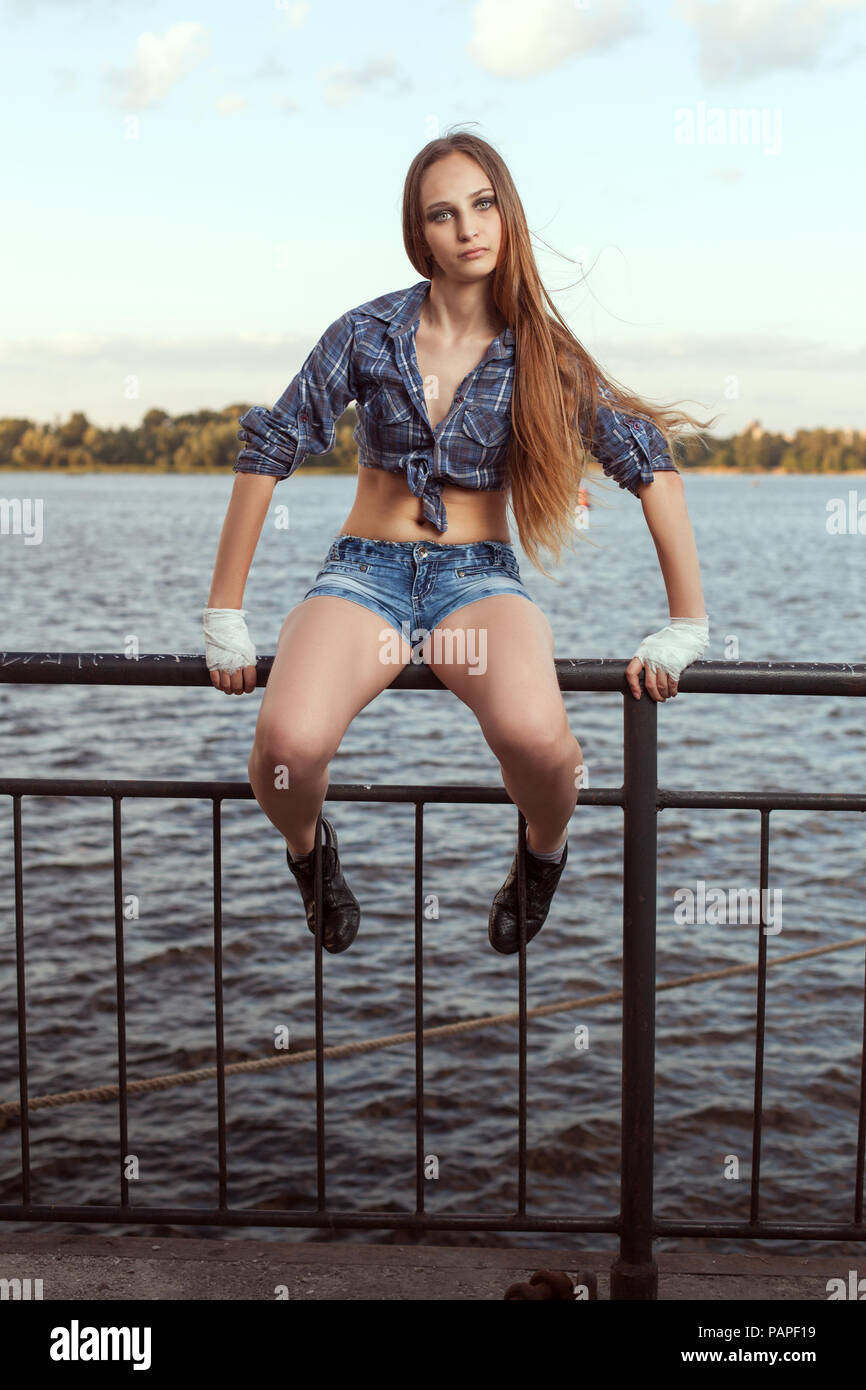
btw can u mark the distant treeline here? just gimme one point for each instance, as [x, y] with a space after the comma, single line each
[207, 441]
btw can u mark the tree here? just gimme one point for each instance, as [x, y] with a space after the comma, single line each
[153, 418]
[11, 433]
[74, 430]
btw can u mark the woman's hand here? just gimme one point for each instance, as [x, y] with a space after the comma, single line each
[229, 650]
[665, 655]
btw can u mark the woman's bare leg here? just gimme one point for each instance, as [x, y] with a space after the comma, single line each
[330, 663]
[518, 703]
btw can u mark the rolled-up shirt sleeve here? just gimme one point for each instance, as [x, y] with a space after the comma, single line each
[629, 448]
[304, 419]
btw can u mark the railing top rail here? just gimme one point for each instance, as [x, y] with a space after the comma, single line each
[593, 673]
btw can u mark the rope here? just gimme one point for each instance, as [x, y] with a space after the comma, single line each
[468, 1025]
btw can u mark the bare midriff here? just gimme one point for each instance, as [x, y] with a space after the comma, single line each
[386, 510]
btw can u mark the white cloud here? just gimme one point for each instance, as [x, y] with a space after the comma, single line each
[342, 84]
[251, 350]
[514, 39]
[296, 11]
[131, 353]
[160, 61]
[739, 38]
[767, 351]
[231, 103]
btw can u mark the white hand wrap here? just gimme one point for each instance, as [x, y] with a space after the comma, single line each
[227, 644]
[676, 646]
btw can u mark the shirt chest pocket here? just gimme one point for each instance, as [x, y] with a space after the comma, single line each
[486, 427]
[388, 405]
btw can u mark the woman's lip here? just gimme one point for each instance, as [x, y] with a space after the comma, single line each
[476, 251]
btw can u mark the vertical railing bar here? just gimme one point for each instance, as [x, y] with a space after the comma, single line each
[218, 1002]
[121, 998]
[760, 1021]
[634, 1275]
[21, 999]
[419, 1008]
[320, 1026]
[861, 1122]
[521, 1007]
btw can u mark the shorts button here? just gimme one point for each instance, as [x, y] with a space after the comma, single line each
[422, 553]
[459, 574]
[363, 567]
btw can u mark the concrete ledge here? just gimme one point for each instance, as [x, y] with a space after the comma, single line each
[131, 1267]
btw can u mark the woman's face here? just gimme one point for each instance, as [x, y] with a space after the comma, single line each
[459, 212]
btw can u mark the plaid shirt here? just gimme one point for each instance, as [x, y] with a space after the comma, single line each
[368, 356]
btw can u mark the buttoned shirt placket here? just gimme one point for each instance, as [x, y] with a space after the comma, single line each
[421, 470]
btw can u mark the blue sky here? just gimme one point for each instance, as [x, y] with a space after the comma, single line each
[193, 194]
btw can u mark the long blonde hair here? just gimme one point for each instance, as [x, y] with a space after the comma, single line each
[555, 396]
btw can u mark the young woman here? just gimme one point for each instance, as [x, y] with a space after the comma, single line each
[466, 390]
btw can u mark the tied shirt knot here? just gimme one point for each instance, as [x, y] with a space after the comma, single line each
[428, 488]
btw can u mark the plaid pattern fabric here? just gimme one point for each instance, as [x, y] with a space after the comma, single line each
[368, 356]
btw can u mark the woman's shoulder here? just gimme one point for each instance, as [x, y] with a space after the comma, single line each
[393, 304]
[365, 325]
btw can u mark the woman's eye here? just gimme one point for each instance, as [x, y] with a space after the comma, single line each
[444, 211]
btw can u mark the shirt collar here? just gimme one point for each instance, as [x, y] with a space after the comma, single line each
[405, 313]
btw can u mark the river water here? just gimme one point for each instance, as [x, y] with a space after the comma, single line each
[131, 557]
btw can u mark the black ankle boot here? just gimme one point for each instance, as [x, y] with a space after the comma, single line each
[341, 914]
[541, 878]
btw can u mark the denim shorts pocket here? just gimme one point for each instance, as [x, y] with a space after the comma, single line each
[471, 571]
[352, 567]
[490, 567]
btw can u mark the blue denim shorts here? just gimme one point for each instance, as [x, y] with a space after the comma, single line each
[415, 584]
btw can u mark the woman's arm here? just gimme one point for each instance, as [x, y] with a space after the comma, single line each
[664, 508]
[633, 451]
[245, 515]
[244, 519]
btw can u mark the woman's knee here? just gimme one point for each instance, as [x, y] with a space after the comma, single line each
[303, 751]
[535, 736]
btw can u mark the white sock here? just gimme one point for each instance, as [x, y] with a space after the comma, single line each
[555, 855]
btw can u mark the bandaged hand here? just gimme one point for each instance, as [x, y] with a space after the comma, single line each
[670, 651]
[228, 648]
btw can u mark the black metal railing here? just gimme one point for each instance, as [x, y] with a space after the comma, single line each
[634, 1273]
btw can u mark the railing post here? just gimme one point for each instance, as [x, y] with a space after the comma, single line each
[635, 1274]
